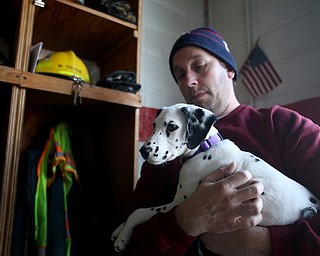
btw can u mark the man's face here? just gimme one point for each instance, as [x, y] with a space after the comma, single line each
[203, 79]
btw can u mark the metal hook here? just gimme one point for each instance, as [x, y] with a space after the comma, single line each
[77, 86]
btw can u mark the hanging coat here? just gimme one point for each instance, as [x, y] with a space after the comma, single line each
[56, 172]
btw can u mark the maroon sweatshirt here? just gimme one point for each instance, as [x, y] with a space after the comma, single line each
[283, 138]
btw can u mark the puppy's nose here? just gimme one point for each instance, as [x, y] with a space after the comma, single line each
[145, 151]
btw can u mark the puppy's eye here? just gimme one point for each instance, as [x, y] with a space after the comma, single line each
[172, 127]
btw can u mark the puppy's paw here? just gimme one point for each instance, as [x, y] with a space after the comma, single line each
[121, 237]
[309, 212]
[117, 231]
[120, 245]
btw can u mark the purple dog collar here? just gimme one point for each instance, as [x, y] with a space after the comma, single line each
[204, 146]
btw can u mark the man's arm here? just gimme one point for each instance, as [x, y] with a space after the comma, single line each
[173, 232]
[255, 241]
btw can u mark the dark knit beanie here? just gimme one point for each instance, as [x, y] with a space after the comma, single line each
[209, 40]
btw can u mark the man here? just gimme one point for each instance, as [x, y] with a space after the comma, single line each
[223, 214]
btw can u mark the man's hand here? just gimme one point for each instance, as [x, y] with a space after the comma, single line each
[253, 241]
[225, 201]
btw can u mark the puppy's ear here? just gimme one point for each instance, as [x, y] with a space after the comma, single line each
[198, 124]
[158, 111]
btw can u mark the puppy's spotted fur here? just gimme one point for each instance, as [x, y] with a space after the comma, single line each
[187, 130]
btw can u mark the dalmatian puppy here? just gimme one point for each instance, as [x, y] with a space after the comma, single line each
[187, 131]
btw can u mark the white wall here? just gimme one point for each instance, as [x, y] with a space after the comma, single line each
[162, 22]
[289, 35]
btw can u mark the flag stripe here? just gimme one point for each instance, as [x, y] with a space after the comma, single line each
[263, 74]
[249, 86]
[270, 75]
[250, 74]
[275, 75]
[250, 83]
[255, 84]
[258, 74]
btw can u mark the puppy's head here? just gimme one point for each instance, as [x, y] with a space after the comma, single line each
[178, 129]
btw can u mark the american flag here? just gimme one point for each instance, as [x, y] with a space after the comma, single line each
[258, 74]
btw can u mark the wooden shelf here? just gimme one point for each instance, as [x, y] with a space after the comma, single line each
[64, 25]
[63, 86]
[98, 13]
